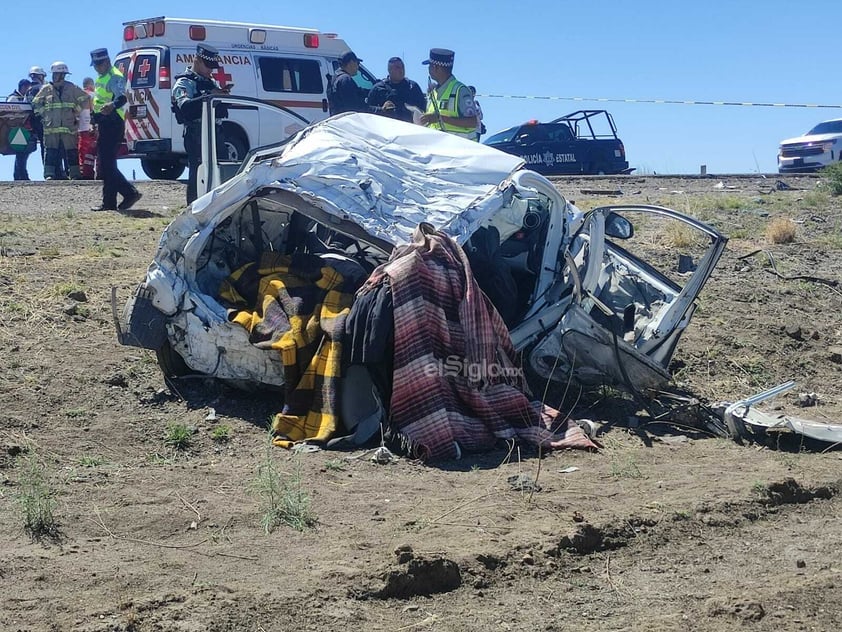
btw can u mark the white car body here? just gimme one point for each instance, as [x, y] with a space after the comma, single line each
[372, 180]
[818, 148]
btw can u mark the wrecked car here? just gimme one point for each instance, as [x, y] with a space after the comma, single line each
[578, 304]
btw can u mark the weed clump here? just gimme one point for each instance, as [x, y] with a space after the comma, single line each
[833, 173]
[36, 499]
[283, 499]
[781, 230]
[178, 437]
[221, 433]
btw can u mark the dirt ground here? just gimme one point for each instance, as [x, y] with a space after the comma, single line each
[660, 530]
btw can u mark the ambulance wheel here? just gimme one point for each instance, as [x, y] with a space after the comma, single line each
[162, 169]
[235, 143]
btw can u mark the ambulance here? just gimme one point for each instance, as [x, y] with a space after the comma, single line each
[284, 66]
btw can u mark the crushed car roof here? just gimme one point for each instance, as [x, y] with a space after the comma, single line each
[352, 167]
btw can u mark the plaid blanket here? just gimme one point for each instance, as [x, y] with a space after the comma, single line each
[298, 306]
[457, 377]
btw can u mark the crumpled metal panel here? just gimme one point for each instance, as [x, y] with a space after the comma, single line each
[223, 350]
[583, 346]
[745, 421]
[387, 176]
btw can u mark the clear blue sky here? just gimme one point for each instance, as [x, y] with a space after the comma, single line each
[774, 51]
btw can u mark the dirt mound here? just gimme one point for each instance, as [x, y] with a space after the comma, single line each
[417, 576]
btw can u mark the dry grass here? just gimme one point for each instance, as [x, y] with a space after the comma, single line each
[781, 230]
[679, 235]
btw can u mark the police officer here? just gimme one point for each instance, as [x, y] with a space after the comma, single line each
[450, 106]
[187, 95]
[344, 95]
[399, 90]
[108, 115]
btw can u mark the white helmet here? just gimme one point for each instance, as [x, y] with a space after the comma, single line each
[59, 66]
[37, 70]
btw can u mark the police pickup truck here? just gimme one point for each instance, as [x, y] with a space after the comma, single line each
[582, 142]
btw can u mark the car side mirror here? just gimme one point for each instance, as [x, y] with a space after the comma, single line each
[618, 226]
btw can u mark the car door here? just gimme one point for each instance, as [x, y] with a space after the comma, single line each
[626, 305]
[273, 125]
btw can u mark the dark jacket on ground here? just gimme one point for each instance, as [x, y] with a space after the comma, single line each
[406, 92]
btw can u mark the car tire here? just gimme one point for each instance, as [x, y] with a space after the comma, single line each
[171, 362]
[162, 169]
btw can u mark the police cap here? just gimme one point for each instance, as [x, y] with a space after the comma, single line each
[347, 57]
[99, 55]
[440, 57]
[208, 54]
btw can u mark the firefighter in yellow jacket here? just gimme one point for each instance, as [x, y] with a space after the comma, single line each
[58, 105]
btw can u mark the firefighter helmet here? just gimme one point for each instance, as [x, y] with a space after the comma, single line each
[37, 70]
[59, 66]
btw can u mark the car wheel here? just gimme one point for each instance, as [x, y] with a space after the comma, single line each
[162, 169]
[171, 362]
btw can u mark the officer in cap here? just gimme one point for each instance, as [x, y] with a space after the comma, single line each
[108, 114]
[187, 95]
[450, 106]
[344, 95]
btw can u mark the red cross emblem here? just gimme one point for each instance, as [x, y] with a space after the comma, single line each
[221, 76]
[144, 68]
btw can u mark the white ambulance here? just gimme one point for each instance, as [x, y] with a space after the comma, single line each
[285, 66]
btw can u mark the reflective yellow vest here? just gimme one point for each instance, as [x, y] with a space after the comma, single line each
[101, 93]
[448, 102]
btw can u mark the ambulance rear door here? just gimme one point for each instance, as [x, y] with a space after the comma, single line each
[149, 120]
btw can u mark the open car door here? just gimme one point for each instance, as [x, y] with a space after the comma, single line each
[630, 303]
[224, 121]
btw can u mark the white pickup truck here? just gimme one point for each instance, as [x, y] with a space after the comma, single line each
[818, 148]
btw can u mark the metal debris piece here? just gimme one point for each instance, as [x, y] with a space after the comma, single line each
[744, 421]
[305, 447]
[382, 455]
